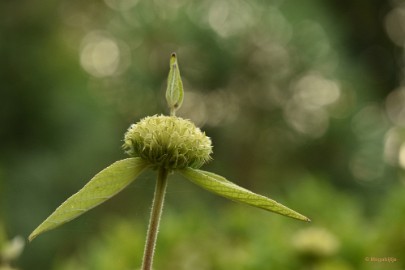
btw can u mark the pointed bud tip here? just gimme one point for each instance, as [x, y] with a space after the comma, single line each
[31, 237]
[173, 59]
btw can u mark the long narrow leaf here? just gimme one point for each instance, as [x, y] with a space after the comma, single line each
[100, 188]
[221, 186]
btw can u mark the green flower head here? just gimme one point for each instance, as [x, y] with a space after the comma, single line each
[168, 141]
[164, 143]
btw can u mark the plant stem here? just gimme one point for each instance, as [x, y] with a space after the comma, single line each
[156, 213]
[172, 112]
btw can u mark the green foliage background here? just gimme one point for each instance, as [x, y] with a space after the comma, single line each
[302, 99]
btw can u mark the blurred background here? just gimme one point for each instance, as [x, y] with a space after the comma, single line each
[304, 102]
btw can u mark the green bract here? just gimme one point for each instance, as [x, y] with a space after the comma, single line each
[164, 143]
[168, 141]
[100, 188]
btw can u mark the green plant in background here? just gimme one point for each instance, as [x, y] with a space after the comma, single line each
[10, 250]
[165, 144]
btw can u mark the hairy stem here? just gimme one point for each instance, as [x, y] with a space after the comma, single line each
[172, 112]
[156, 213]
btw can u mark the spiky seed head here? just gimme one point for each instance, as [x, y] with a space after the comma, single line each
[168, 141]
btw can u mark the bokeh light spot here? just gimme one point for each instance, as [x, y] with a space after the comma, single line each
[395, 25]
[315, 91]
[227, 18]
[366, 164]
[401, 156]
[121, 5]
[100, 54]
[392, 144]
[370, 122]
[307, 110]
[395, 106]
[312, 122]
